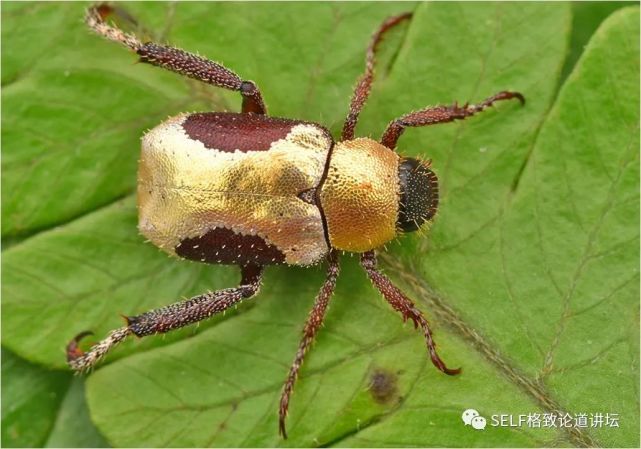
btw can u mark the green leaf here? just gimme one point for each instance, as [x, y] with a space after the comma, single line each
[514, 272]
[73, 427]
[43, 407]
[586, 18]
[31, 397]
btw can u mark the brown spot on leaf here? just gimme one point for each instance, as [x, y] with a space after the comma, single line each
[383, 386]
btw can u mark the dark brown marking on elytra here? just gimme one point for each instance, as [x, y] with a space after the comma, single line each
[227, 131]
[224, 246]
[383, 386]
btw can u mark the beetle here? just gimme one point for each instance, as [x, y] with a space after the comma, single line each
[252, 190]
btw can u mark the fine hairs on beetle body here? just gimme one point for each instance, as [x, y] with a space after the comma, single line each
[251, 190]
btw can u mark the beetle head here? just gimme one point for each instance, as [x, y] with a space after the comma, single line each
[419, 194]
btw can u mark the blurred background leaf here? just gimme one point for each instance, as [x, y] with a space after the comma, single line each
[44, 407]
[31, 397]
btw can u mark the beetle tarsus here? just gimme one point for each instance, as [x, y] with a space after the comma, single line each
[96, 20]
[79, 360]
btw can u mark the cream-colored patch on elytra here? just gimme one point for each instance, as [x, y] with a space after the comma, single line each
[186, 189]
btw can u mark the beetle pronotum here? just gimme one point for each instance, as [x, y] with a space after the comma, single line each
[252, 190]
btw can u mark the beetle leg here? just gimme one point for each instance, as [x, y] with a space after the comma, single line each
[177, 60]
[404, 305]
[440, 114]
[364, 85]
[314, 321]
[167, 318]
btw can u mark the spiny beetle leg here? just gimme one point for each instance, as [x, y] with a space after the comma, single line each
[314, 321]
[364, 85]
[440, 114]
[177, 60]
[404, 305]
[167, 318]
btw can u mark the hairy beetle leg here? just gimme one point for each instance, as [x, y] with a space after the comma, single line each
[314, 321]
[176, 60]
[167, 318]
[441, 114]
[364, 84]
[405, 306]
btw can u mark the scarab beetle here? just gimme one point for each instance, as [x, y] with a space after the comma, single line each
[251, 190]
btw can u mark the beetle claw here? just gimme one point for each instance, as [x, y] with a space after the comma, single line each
[281, 429]
[438, 363]
[452, 371]
[73, 350]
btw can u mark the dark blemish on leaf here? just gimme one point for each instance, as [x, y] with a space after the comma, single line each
[383, 386]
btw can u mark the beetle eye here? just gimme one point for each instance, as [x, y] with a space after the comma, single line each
[419, 194]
